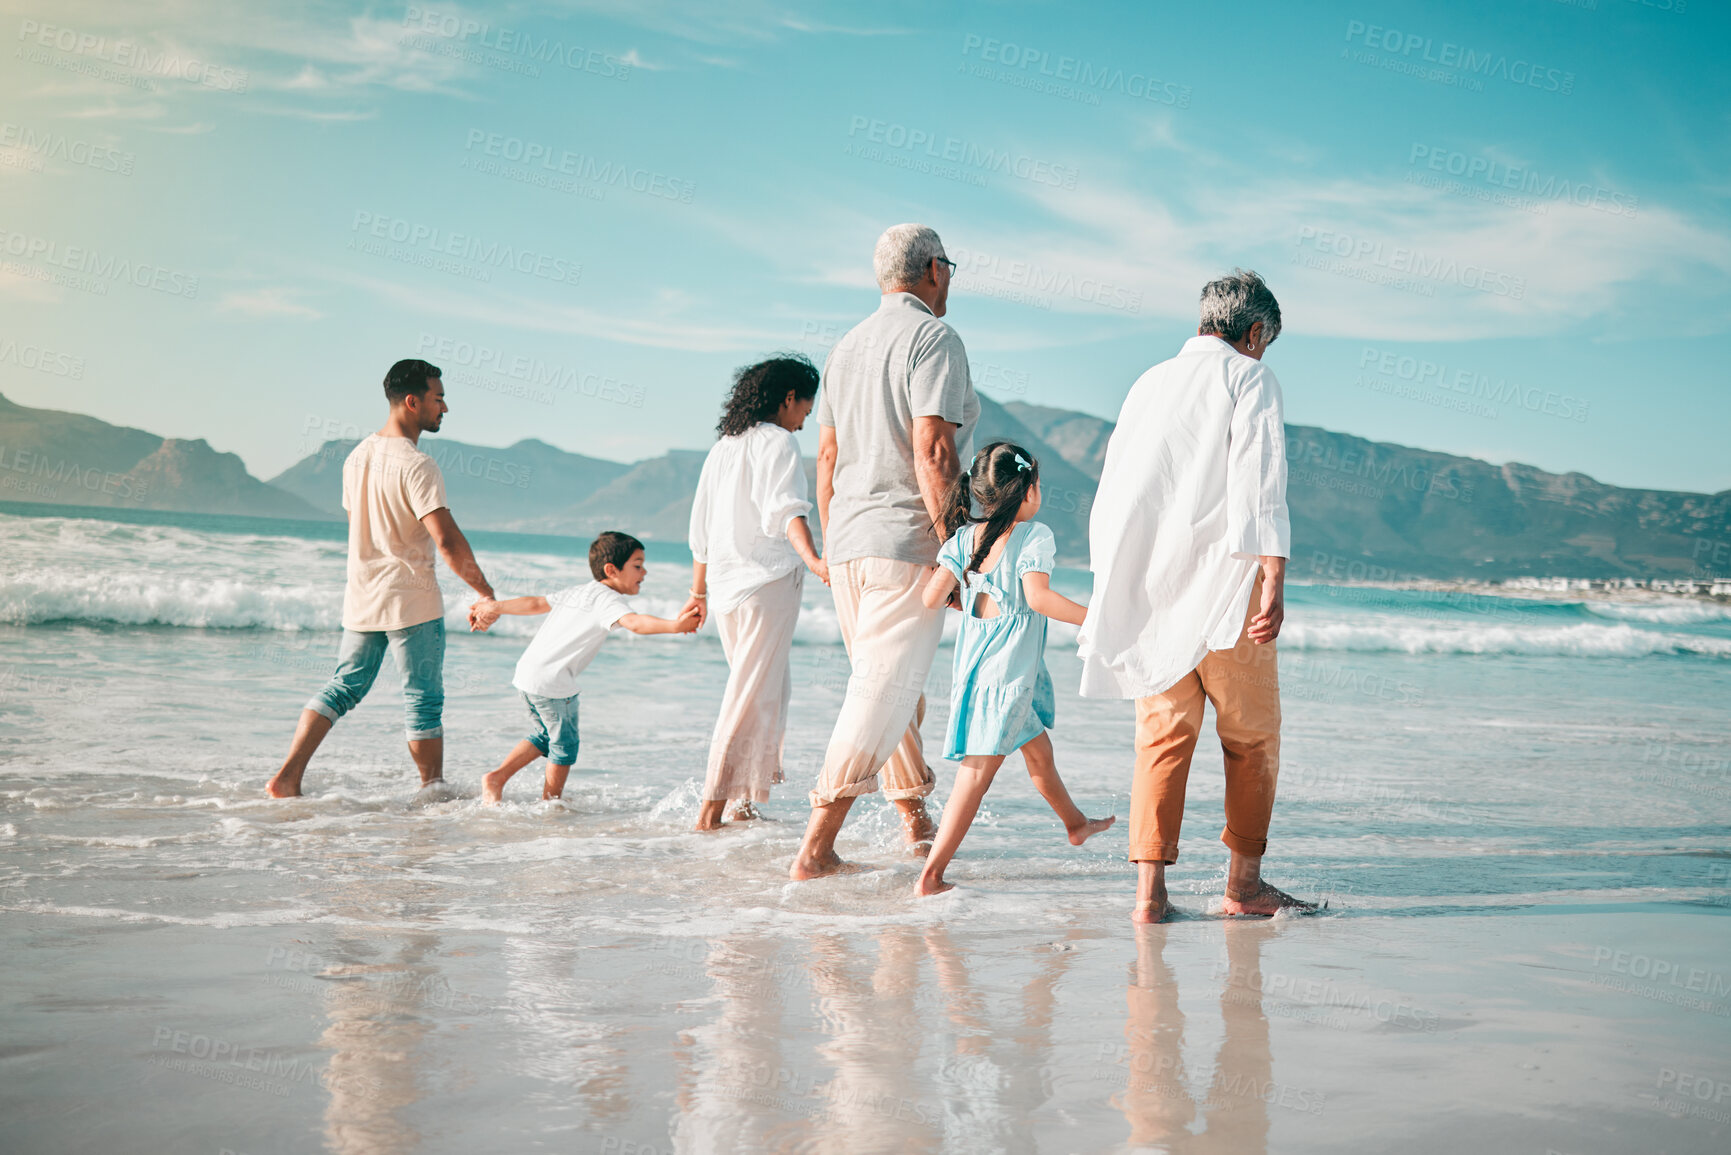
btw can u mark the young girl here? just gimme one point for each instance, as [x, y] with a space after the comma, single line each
[749, 540]
[1001, 698]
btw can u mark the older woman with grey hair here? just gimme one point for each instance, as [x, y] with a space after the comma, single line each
[1189, 538]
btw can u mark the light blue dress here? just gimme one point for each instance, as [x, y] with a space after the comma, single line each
[1001, 695]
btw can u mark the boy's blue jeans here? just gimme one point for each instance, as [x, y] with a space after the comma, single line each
[419, 652]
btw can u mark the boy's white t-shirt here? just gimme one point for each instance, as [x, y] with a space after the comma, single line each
[569, 639]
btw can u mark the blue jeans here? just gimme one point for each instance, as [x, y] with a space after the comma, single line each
[419, 652]
[555, 727]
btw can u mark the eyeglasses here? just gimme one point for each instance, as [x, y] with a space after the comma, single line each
[947, 261]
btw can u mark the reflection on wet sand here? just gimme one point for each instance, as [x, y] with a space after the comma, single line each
[732, 1078]
[1157, 1101]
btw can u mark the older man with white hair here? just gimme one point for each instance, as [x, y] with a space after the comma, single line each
[1188, 540]
[895, 418]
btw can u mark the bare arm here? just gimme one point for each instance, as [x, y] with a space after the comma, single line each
[699, 592]
[939, 589]
[826, 451]
[1043, 599]
[685, 623]
[936, 465]
[486, 611]
[1265, 626]
[799, 536]
[454, 547]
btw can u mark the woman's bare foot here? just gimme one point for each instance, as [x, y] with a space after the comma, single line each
[746, 811]
[1263, 899]
[1089, 828]
[931, 884]
[709, 814]
[493, 788]
[919, 825]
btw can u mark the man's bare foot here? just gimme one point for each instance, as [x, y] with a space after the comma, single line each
[919, 825]
[709, 814]
[1262, 899]
[432, 793]
[1153, 911]
[804, 868]
[1089, 828]
[928, 885]
[493, 788]
[284, 785]
[746, 811]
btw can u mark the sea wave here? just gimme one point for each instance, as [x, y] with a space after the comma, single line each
[1585, 640]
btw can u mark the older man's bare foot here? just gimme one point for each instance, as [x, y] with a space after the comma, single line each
[1089, 829]
[807, 867]
[709, 814]
[918, 824]
[1262, 899]
[930, 884]
[284, 785]
[1152, 911]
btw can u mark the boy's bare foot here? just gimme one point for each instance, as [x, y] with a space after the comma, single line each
[1155, 910]
[1089, 829]
[1263, 899]
[709, 814]
[805, 868]
[745, 812]
[926, 886]
[284, 785]
[493, 788]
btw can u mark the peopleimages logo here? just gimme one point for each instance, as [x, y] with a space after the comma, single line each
[1447, 54]
[1414, 262]
[1521, 179]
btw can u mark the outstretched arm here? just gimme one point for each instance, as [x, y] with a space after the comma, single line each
[486, 611]
[685, 623]
[1043, 599]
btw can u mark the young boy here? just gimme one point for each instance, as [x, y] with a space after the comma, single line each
[580, 619]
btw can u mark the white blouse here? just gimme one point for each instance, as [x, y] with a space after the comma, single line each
[1193, 491]
[752, 487]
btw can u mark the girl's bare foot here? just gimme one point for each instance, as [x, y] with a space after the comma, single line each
[1262, 899]
[709, 814]
[1089, 828]
[926, 887]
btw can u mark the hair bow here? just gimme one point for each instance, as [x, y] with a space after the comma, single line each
[1023, 464]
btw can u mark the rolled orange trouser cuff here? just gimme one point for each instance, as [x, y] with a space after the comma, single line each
[1254, 847]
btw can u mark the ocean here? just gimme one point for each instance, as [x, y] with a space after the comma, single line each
[1516, 805]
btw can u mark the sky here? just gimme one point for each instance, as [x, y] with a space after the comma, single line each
[1497, 229]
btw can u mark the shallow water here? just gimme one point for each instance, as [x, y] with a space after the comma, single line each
[1518, 809]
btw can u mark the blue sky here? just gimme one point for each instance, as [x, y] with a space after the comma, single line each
[1496, 229]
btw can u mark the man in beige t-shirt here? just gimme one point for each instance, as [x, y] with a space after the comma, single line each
[395, 498]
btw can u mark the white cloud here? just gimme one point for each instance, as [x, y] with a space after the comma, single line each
[268, 302]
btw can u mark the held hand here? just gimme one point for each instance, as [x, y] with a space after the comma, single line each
[701, 605]
[1265, 626]
[690, 618]
[483, 614]
[820, 568]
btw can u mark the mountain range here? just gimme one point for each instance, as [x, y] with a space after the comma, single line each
[1360, 509]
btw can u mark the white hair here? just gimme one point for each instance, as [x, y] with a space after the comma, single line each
[903, 254]
[1233, 303]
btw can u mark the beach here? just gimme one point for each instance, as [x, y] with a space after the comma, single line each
[1516, 807]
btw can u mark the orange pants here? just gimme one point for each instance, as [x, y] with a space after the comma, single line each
[1243, 683]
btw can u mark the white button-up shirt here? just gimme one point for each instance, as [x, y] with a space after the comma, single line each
[752, 487]
[1193, 491]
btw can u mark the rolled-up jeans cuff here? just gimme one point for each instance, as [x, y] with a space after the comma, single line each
[846, 790]
[317, 706]
[1253, 847]
[424, 735]
[1166, 853]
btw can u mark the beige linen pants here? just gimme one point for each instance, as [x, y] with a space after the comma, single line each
[891, 639]
[756, 636]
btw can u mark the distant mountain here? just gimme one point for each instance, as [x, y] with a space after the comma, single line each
[60, 458]
[488, 488]
[1370, 509]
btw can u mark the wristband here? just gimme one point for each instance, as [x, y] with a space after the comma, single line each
[700, 597]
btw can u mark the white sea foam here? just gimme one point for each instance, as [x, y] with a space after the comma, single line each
[1586, 640]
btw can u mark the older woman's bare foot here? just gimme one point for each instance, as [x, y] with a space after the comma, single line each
[918, 824]
[709, 814]
[745, 811]
[1089, 828]
[806, 868]
[1263, 899]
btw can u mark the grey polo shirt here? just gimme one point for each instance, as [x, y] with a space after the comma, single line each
[898, 364]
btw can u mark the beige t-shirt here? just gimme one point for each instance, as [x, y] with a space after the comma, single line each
[388, 487]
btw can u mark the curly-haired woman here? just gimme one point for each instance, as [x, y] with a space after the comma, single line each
[749, 537]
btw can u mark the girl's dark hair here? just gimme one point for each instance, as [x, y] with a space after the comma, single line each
[759, 390]
[998, 482]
